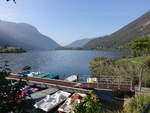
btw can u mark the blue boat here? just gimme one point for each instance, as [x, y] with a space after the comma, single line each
[27, 73]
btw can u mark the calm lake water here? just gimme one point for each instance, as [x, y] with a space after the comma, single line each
[64, 62]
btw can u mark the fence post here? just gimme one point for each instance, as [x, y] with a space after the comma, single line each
[119, 82]
[131, 85]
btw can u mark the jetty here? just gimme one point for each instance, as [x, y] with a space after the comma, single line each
[72, 86]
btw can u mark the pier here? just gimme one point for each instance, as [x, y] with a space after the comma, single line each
[72, 86]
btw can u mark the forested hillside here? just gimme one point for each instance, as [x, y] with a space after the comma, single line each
[121, 38]
[25, 36]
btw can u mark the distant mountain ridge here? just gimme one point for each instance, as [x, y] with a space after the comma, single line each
[25, 36]
[138, 28]
[78, 43]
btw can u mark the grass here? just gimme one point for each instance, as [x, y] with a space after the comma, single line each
[136, 61]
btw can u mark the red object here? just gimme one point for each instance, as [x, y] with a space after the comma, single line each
[22, 95]
[75, 97]
[33, 89]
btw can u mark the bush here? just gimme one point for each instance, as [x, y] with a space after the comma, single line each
[136, 104]
[100, 66]
[91, 104]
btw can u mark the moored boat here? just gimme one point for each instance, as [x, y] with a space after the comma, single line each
[52, 76]
[76, 97]
[39, 74]
[52, 101]
[42, 75]
[28, 73]
[72, 78]
[42, 94]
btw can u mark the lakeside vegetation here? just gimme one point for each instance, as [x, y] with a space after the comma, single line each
[136, 67]
[136, 104]
[11, 49]
[91, 104]
[138, 63]
[10, 92]
[130, 61]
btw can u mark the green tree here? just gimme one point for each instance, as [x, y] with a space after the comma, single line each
[99, 66]
[106, 70]
[10, 92]
[12, 0]
[140, 46]
[91, 104]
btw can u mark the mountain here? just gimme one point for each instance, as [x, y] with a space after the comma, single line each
[25, 36]
[78, 43]
[121, 38]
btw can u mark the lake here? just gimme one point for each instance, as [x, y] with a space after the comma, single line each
[64, 62]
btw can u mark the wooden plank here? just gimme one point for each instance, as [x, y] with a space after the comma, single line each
[69, 85]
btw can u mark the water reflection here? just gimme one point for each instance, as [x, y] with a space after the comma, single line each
[65, 62]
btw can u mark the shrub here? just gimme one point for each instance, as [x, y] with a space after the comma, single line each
[100, 66]
[136, 104]
[91, 104]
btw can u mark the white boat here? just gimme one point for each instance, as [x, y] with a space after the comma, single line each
[51, 101]
[72, 78]
[66, 107]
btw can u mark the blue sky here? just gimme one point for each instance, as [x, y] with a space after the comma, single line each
[69, 20]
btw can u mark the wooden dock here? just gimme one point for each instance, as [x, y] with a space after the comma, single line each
[72, 86]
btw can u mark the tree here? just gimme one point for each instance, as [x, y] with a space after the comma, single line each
[106, 70]
[140, 46]
[12, 0]
[91, 104]
[10, 92]
[99, 66]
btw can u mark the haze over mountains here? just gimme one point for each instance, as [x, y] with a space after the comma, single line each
[138, 28]
[28, 37]
[78, 43]
[25, 36]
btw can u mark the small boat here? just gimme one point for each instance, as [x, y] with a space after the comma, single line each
[41, 94]
[52, 101]
[72, 78]
[42, 75]
[65, 108]
[48, 75]
[52, 76]
[27, 73]
[30, 74]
